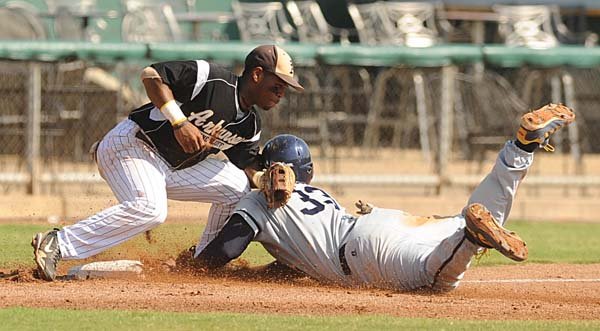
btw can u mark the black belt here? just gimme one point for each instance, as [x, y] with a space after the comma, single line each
[343, 261]
[342, 251]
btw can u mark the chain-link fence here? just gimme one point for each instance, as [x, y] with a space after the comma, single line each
[74, 111]
[373, 125]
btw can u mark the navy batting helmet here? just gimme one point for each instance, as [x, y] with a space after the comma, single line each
[292, 150]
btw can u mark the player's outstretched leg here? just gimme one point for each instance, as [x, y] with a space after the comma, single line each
[47, 253]
[483, 230]
[537, 126]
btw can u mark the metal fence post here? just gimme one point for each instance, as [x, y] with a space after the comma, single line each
[419, 84]
[34, 106]
[446, 123]
[573, 130]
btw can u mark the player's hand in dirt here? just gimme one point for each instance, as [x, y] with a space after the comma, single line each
[278, 271]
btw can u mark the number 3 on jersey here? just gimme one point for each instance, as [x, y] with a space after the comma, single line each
[317, 199]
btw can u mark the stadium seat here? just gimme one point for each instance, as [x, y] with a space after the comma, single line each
[263, 21]
[409, 24]
[149, 21]
[311, 25]
[19, 20]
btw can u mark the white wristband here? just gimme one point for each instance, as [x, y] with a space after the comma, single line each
[173, 113]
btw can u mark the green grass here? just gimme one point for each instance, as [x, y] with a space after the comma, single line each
[547, 242]
[15, 246]
[554, 243]
[18, 318]
[170, 240]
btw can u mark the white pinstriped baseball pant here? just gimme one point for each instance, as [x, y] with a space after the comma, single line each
[142, 182]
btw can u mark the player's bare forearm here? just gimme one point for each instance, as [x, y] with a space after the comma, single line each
[190, 138]
[158, 92]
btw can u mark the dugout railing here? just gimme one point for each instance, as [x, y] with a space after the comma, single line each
[59, 97]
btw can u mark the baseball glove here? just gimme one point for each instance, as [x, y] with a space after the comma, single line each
[277, 184]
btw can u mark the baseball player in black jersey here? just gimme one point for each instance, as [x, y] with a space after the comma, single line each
[160, 152]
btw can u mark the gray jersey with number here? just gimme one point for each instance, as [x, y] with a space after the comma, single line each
[306, 233]
[388, 248]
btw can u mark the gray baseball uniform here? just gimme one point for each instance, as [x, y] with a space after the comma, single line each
[306, 233]
[386, 248]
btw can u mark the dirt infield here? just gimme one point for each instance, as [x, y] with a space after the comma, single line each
[515, 292]
[519, 292]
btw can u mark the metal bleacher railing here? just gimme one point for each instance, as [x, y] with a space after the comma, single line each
[37, 59]
[451, 101]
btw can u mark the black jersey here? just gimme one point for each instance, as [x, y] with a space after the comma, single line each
[207, 95]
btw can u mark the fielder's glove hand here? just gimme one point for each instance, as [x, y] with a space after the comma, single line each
[364, 207]
[277, 184]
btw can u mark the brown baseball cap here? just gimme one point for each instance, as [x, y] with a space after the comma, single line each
[275, 60]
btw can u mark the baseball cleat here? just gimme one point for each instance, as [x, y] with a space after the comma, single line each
[483, 230]
[537, 126]
[46, 253]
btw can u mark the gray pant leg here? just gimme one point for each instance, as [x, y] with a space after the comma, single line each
[446, 264]
[497, 191]
[449, 261]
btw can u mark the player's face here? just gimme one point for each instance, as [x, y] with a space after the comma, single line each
[270, 90]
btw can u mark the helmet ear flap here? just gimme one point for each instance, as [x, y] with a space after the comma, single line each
[307, 172]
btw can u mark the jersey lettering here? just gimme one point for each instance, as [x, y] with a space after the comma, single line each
[330, 200]
[227, 139]
[317, 198]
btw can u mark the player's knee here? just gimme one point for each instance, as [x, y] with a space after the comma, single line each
[243, 191]
[149, 211]
[238, 191]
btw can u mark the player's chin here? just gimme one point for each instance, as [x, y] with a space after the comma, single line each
[270, 105]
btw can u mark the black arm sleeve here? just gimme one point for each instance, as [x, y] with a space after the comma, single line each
[180, 76]
[231, 242]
